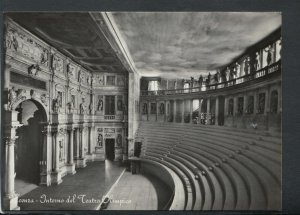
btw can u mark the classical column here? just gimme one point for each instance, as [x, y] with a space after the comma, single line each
[76, 144]
[199, 110]
[235, 103]
[10, 198]
[45, 163]
[148, 110]
[90, 154]
[166, 111]
[255, 103]
[82, 160]
[182, 111]
[226, 106]
[157, 107]
[279, 99]
[191, 111]
[267, 101]
[174, 110]
[245, 104]
[71, 165]
[208, 116]
[217, 111]
[56, 173]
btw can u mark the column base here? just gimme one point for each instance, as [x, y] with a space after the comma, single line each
[71, 169]
[45, 179]
[90, 157]
[99, 157]
[81, 162]
[56, 178]
[10, 202]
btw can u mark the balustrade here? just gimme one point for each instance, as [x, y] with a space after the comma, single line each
[275, 67]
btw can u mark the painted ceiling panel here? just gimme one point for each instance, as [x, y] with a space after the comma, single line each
[183, 44]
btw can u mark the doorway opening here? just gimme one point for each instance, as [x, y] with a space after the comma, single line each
[29, 145]
[110, 149]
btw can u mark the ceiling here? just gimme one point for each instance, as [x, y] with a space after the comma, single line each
[166, 44]
[184, 44]
[75, 35]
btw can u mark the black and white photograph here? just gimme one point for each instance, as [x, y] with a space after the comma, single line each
[155, 111]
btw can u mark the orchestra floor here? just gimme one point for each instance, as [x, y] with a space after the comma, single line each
[98, 179]
[82, 191]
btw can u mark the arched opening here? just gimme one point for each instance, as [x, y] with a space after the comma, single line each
[28, 151]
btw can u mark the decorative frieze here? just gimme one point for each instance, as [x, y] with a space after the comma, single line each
[18, 41]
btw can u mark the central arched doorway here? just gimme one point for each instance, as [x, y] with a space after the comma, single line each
[28, 151]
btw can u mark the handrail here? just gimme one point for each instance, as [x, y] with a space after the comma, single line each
[275, 67]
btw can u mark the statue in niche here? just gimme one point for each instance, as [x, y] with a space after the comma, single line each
[120, 81]
[99, 140]
[44, 99]
[81, 77]
[162, 109]
[124, 108]
[12, 94]
[57, 64]
[71, 71]
[61, 147]
[120, 105]
[33, 69]
[12, 42]
[91, 108]
[119, 141]
[44, 56]
[56, 104]
[88, 79]
[100, 79]
[82, 107]
[100, 104]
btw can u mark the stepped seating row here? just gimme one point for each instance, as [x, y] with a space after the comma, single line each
[218, 173]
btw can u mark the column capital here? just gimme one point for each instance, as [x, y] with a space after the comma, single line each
[10, 140]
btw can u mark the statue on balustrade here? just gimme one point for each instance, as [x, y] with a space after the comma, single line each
[247, 66]
[269, 51]
[216, 77]
[208, 79]
[227, 72]
[200, 81]
[222, 76]
[192, 82]
[236, 70]
[256, 64]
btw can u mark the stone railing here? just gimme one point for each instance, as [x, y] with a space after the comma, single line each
[264, 72]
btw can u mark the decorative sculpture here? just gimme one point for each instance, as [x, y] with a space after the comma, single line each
[33, 69]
